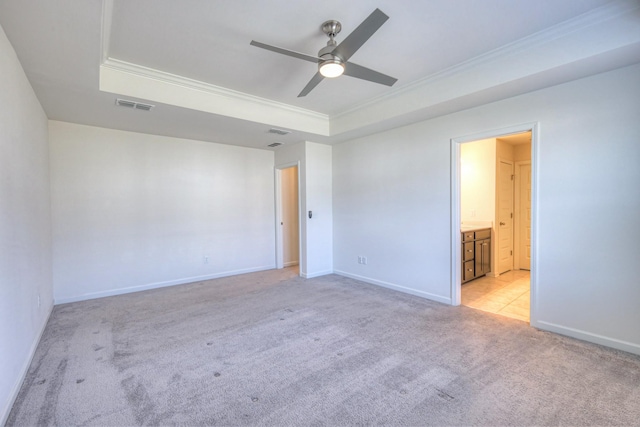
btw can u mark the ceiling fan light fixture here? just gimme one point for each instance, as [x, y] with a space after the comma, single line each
[331, 68]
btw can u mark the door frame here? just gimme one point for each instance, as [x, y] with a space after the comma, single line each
[278, 215]
[456, 143]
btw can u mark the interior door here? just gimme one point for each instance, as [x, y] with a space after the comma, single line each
[505, 217]
[524, 231]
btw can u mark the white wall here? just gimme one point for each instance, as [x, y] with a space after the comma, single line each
[134, 211]
[318, 179]
[25, 225]
[478, 181]
[316, 196]
[392, 203]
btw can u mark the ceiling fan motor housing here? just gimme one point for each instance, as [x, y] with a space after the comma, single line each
[331, 65]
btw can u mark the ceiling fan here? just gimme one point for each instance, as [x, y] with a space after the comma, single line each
[333, 59]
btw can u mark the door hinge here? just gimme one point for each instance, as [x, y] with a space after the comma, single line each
[510, 252]
[511, 214]
[512, 177]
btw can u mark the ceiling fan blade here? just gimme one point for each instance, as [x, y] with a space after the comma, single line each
[364, 73]
[287, 52]
[360, 35]
[312, 83]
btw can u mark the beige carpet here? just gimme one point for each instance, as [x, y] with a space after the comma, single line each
[271, 348]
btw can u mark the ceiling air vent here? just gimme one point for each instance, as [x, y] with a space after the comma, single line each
[133, 104]
[279, 131]
[275, 144]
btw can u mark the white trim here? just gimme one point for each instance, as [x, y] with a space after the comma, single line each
[405, 290]
[24, 370]
[588, 336]
[191, 94]
[316, 274]
[187, 83]
[291, 263]
[185, 280]
[455, 206]
[105, 34]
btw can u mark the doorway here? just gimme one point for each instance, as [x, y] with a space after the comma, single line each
[492, 190]
[288, 217]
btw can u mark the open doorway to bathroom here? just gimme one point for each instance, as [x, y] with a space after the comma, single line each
[288, 217]
[495, 224]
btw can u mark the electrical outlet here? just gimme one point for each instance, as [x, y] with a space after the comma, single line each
[205, 260]
[359, 259]
[364, 260]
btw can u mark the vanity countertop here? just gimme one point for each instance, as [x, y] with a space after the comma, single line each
[473, 227]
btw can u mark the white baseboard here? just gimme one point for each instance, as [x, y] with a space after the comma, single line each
[427, 295]
[316, 274]
[587, 336]
[13, 395]
[120, 291]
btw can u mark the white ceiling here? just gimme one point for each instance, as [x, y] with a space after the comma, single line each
[62, 44]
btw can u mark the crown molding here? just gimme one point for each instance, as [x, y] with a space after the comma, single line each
[105, 30]
[523, 45]
[185, 82]
[138, 82]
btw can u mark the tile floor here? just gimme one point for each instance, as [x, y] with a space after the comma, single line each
[507, 294]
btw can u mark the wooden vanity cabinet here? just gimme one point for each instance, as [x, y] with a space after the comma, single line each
[476, 254]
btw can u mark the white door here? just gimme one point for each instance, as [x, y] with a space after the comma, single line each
[524, 229]
[505, 217]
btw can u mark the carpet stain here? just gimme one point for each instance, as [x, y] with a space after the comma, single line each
[254, 399]
[139, 401]
[81, 380]
[445, 396]
[47, 414]
[217, 374]
[97, 347]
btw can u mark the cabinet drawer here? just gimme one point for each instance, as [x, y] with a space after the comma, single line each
[483, 234]
[468, 236]
[467, 251]
[467, 271]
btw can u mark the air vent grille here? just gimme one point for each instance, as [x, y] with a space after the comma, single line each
[279, 131]
[275, 144]
[133, 104]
